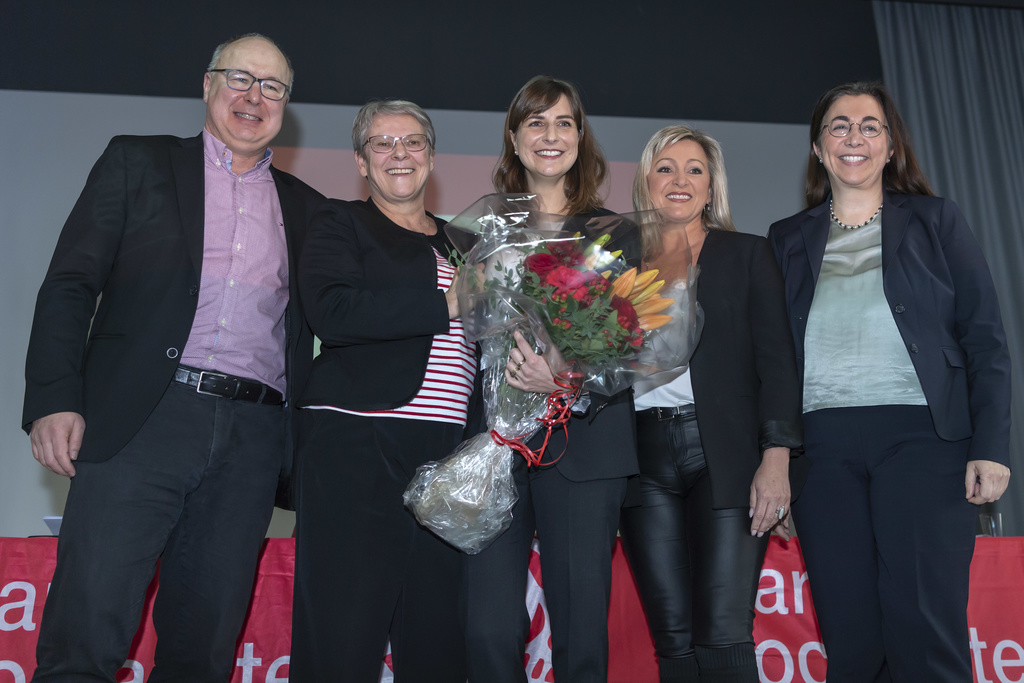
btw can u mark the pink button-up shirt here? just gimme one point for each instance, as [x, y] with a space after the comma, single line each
[239, 328]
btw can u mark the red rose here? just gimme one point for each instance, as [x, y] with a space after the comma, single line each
[626, 314]
[569, 282]
[564, 279]
[541, 263]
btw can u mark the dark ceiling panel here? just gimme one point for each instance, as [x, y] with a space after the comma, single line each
[725, 60]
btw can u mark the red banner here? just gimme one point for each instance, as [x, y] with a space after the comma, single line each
[788, 645]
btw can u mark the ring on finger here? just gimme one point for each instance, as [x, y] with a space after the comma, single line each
[781, 512]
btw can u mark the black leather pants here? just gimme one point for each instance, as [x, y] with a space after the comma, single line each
[697, 568]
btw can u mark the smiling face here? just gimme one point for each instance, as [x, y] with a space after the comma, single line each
[679, 181]
[854, 161]
[547, 143]
[245, 122]
[400, 176]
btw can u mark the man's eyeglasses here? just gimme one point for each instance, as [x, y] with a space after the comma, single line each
[383, 144]
[869, 128]
[240, 80]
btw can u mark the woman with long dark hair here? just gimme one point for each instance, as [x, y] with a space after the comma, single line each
[573, 504]
[906, 395]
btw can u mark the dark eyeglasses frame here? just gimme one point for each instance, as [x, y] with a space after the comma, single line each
[226, 72]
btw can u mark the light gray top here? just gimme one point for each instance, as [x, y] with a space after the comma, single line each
[854, 354]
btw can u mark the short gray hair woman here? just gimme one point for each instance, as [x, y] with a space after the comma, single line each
[371, 110]
[388, 392]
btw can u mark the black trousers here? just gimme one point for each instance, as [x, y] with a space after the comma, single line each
[888, 537]
[364, 569]
[696, 568]
[576, 523]
[194, 489]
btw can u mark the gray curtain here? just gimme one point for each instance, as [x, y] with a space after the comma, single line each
[957, 75]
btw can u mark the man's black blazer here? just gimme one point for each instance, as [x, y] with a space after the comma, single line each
[743, 372]
[134, 240]
[942, 298]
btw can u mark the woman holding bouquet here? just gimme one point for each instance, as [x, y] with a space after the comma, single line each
[716, 437]
[389, 391]
[572, 505]
[906, 395]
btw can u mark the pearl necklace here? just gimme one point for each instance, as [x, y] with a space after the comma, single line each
[843, 225]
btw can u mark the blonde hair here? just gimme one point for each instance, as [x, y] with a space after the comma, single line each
[716, 215]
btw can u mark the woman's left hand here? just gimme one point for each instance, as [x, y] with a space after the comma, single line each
[527, 370]
[769, 493]
[986, 481]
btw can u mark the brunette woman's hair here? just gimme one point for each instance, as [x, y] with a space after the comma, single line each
[583, 181]
[902, 174]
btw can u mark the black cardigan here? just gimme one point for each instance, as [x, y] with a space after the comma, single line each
[369, 290]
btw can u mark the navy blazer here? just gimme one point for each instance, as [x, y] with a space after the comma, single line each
[941, 296]
[136, 237]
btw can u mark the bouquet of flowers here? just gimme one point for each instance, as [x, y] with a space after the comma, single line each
[573, 288]
[595, 319]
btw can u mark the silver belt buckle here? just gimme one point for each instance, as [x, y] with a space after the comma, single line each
[199, 384]
[669, 412]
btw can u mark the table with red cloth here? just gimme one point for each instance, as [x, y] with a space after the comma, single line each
[788, 644]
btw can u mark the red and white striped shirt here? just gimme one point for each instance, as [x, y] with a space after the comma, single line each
[444, 395]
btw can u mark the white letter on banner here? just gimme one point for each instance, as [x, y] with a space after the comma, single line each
[138, 673]
[806, 649]
[787, 675]
[26, 605]
[272, 671]
[19, 675]
[247, 662]
[976, 647]
[778, 590]
[998, 662]
[799, 579]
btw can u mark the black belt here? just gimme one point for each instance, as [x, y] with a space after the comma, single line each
[659, 413]
[227, 386]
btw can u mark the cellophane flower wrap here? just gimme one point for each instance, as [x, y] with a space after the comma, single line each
[573, 288]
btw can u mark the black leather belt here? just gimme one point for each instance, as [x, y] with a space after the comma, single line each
[658, 413]
[227, 386]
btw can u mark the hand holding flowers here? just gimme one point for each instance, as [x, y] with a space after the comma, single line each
[552, 307]
[528, 371]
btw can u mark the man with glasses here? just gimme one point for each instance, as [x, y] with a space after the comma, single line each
[168, 402]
